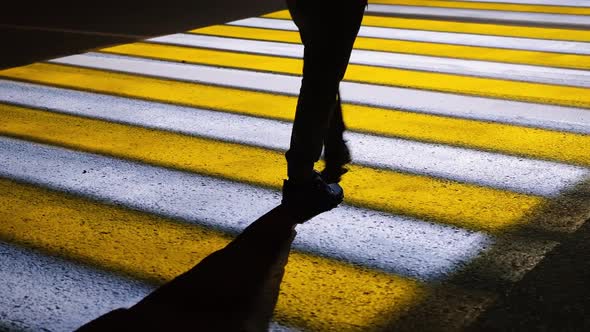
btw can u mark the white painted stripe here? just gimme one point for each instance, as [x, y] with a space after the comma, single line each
[44, 293]
[465, 165]
[479, 108]
[560, 3]
[544, 45]
[537, 74]
[496, 15]
[394, 244]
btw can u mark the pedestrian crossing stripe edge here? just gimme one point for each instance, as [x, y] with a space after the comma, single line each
[427, 252]
[565, 3]
[477, 68]
[405, 292]
[558, 60]
[464, 27]
[496, 137]
[49, 280]
[416, 79]
[523, 175]
[464, 205]
[498, 6]
[509, 17]
[436, 37]
[139, 244]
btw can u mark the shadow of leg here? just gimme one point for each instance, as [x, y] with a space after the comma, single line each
[233, 289]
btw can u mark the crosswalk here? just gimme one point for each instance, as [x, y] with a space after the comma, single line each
[123, 167]
[531, 12]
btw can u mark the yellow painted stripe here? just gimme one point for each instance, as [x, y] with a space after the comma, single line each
[464, 27]
[464, 205]
[538, 58]
[489, 6]
[275, 64]
[477, 86]
[316, 293]
[538, 143]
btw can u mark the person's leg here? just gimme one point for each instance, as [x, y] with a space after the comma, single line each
[328, 35]
[336, 152]
[303, 148]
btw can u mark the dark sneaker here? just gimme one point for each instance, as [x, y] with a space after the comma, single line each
[305, 201]
[333, 175]
[336, 159]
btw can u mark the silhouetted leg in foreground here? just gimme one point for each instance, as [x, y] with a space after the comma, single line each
[328, 30]
[233, 289]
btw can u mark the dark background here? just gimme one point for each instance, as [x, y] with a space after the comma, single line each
[33, 31]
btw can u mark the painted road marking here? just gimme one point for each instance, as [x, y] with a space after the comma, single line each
[472, 43]
[390, 77]
[423, 197]
[497, 6]
[139, 245]
[74, 293]
[192, 48]
[481, 29]
[571, 3]
[512, 112]
[359, 242]
[560, 60]
[477, 86]
[488, 169]
[506, 16]
[524, 141]
[426, 251]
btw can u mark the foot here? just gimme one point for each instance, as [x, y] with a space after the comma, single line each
[305, 201]
[336, 160]
[333, 175]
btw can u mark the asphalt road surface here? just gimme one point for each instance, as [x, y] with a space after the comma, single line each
[137, 139]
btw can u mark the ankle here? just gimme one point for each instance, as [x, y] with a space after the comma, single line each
[300, 172]
[301, 178]
[299, 182]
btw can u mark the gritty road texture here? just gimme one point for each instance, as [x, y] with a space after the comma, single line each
[553, 295]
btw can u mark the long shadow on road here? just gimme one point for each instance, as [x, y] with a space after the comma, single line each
[233, 289]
